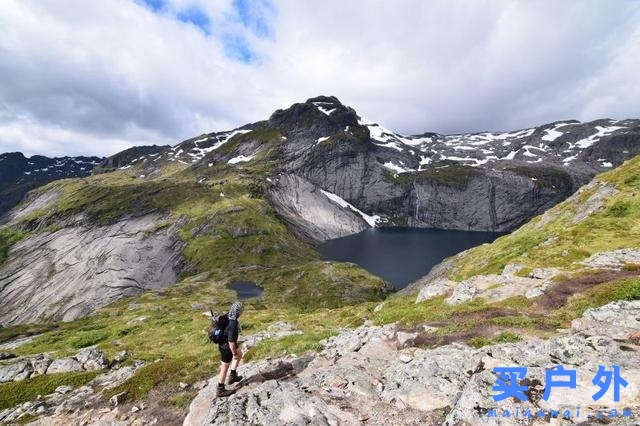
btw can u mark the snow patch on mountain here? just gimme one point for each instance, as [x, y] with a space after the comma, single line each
[600, 132]
[323, 109]
[240, 159]
[552, 134]
[396, 168]
[371, 220]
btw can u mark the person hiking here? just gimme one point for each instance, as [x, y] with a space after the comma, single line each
[230, 353]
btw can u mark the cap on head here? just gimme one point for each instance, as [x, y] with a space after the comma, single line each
[236, 309]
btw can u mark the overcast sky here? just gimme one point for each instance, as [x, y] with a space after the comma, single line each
[95, 77]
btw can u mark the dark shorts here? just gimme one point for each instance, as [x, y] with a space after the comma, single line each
[225, 353]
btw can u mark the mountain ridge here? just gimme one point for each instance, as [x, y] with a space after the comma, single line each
[20, 174]
[389, 176]
[491, 181]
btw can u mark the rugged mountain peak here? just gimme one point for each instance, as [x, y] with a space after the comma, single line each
[324, 99]
[20, 174]
[321, 115]
[130, 155]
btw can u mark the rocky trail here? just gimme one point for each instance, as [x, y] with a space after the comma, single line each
[376, 375]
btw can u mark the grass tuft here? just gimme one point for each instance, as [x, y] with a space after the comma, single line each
[14, 393]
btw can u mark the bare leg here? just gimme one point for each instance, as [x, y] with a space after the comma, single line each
[235, 363]
[224, 367]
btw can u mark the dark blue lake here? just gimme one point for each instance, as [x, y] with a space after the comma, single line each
[245, 289]
[402, 255]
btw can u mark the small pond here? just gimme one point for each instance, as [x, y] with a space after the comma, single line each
[402, 255]
[245, 289]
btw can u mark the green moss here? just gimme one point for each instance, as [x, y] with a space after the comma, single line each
[9, 333]
[319, 284]
[14, 393]
[623, 208]
[627, 289]
[8, 237]
[504, 337]
[148, 377]
[524, 272]
[454, 175]
[523, 321]
[89, 339]
[404, 310]
[356, 140]
[295, 344]
[549, 177]
[507, 337]
[182, 400]
[264, 135]
[478, 342]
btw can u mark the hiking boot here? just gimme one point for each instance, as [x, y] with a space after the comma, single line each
[222, 392]
[233, 377]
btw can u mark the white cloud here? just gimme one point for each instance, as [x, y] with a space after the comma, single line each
[94, 77]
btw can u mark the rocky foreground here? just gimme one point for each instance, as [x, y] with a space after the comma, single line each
[67, 405]
[377, 375]
[368, 375]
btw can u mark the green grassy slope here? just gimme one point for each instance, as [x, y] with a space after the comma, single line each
[555, 240]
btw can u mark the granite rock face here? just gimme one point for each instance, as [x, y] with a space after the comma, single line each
[68, 273]
[366, 375]
[310, 213]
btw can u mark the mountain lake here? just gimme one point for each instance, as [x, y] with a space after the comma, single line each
[402, 255]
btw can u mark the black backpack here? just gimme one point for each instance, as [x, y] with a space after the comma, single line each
[218, 325]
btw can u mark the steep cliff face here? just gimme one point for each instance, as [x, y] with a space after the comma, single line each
[312, 213]
[485, 181]
[594, 229]
[495, 200]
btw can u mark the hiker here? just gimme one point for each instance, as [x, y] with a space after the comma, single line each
[230, 353]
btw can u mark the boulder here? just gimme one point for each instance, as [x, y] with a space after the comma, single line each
[92, 358]
[40, 364]
[277, 330]
[545, 273]
[117, 398]
[121, 356]
[64, 365]
[64, 389]
[512, 269]
[537, 291]
[10, 372]
[615, 259]
[462, 292]
[436, 288]
[617, 319]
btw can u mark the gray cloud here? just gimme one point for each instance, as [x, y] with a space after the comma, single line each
[97, 77]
